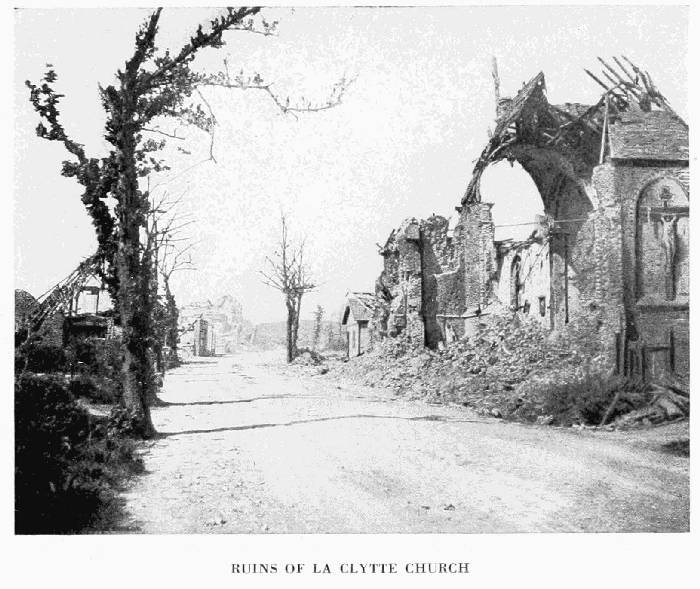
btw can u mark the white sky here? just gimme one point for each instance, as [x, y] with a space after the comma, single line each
[402, 144]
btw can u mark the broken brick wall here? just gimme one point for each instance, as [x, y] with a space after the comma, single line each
[523, 277]
[401, 284]
[570, 248]
[450, 303]
[478, 254]
[437, 256]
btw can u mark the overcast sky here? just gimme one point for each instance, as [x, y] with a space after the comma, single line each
[402, 143]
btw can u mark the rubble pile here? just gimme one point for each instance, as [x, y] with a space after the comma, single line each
[308, 357]
[515, 369]
[670, 400]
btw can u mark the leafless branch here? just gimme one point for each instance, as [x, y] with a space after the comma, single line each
[164, 133]
[212, 128]
[255, 82]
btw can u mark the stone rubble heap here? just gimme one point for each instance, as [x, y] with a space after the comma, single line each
[514, 369]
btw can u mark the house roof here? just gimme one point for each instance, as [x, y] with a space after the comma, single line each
[654, 135]
[362, 306]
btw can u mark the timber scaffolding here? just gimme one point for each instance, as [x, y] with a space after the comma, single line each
[61, 294]
[530, 120]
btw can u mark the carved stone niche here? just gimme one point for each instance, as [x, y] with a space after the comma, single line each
[662, 244]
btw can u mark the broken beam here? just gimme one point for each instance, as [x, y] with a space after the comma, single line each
[597, 80]
[622, 67]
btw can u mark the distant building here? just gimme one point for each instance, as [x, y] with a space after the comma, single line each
[358, 311]
[208, 328]
[199, 338]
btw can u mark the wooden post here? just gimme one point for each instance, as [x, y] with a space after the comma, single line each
[605, 129]
[496, 82]
[566, 278]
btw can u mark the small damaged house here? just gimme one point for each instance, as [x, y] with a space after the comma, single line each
[355, 322]
[613, 240]
[79, 306]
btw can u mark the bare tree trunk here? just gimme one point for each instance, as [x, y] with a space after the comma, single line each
[290, 332]
[295, 326]
[293, 306]
[134, 290]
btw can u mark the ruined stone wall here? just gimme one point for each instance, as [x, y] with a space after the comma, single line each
[570, 247]
[450, 303]
[530, 260]
[603, 270]
[407, 290]
[437, 256]
[402, 283]
[478, 254]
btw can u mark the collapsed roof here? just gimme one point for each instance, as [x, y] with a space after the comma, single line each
[631, 114]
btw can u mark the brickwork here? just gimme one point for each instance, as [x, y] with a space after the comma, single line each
[478, 254]
[437, 255]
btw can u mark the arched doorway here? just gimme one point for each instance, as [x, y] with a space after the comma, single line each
[540, 191]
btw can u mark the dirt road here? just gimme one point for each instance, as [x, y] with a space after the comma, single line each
[251, 446]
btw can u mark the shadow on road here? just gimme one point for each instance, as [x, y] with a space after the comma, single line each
[317, 420]
[167, 404]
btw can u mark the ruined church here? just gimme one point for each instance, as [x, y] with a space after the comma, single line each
[613, 240]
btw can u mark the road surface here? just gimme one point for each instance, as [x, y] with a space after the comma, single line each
[251, 446]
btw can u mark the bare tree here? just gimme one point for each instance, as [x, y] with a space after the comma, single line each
[171, 252]
[155, 85]
[287, 272]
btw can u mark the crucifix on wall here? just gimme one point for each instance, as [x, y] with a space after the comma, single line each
[660, 244]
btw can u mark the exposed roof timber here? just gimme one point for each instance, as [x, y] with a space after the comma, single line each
[535, 88]
[640, 88]
[527, 117]
[538, 123]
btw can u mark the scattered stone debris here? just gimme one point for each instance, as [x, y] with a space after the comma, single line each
[218, 520]
[513, 368]
[308, 357]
